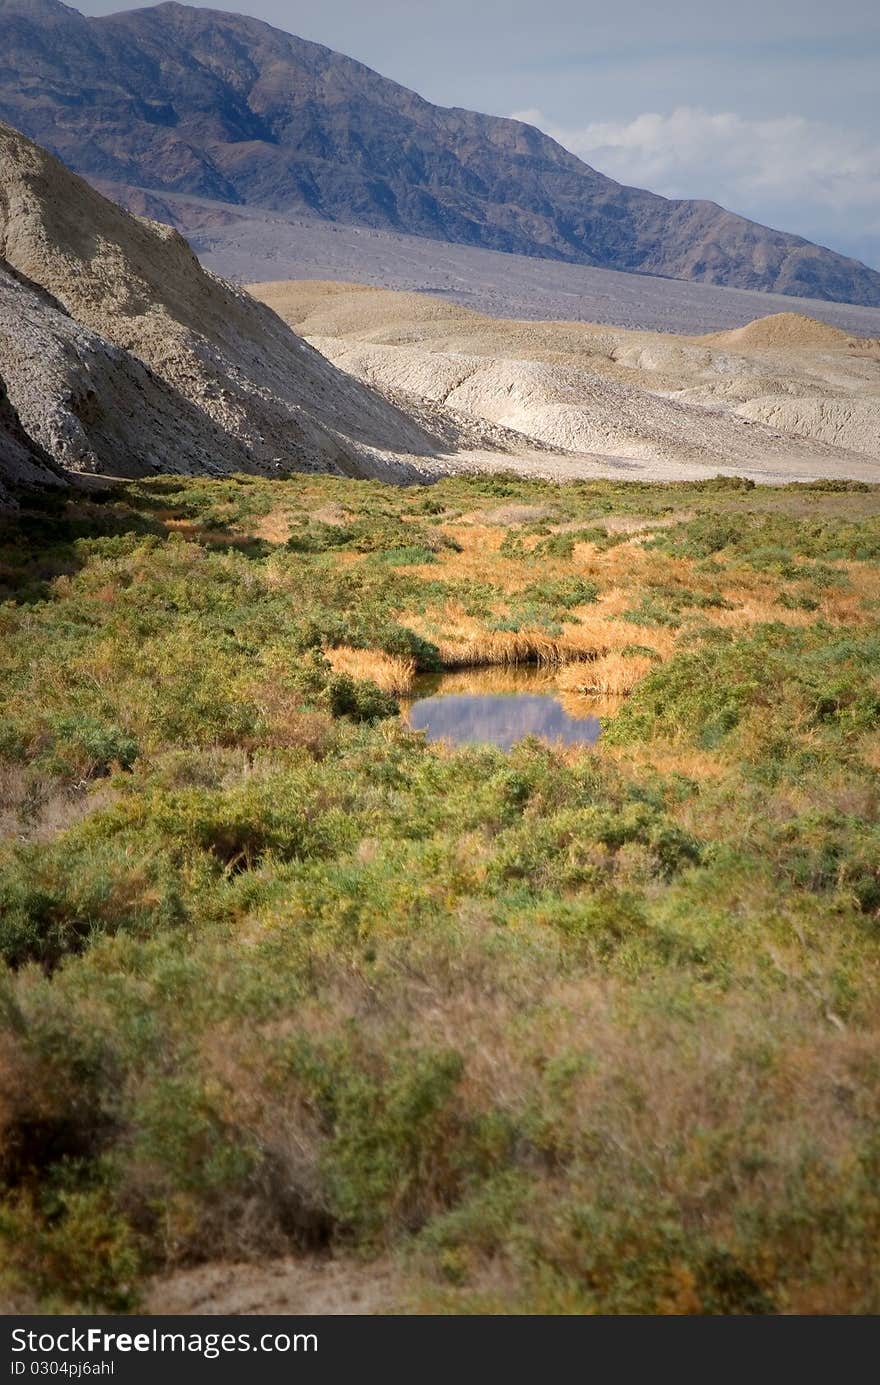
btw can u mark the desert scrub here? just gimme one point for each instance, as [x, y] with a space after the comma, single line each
[768, 540]
[786, 679]
[54, 899]
[566, 1031]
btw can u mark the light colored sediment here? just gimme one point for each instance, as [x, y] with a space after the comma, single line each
[786, 397]
[123, 357]
[792, 329]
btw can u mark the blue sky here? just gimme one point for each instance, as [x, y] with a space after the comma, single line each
[771, 107]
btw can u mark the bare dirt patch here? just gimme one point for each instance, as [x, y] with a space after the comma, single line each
[304, 1287]
[506, 515]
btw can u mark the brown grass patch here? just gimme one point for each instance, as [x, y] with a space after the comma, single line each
[497, 678]
[634, 524]
[507, 515]
[273, 527]
[37, 809]
[464, 641]
[869, 749]
[331, 514]
[698, 765]
[198, 533]
[753, 610]
[499, 647]
[391, 672]
[610, 675]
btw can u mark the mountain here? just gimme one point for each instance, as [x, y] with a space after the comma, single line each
[229, 108]
[120, 354]
[23, 462]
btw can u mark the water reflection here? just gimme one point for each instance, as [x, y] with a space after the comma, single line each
[500, 707]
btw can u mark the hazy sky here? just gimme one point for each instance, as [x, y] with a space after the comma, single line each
[771, 107]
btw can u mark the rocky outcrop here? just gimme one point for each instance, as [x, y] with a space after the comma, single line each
[123, 356]
[229, 108]
[23, 463]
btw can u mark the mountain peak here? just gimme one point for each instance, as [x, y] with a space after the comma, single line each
[38, 9]
[226, 107]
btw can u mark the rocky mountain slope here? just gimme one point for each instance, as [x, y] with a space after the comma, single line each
[22, 461]
[122, 355]
[229, 108]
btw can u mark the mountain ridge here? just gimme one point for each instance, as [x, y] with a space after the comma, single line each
[225, 106]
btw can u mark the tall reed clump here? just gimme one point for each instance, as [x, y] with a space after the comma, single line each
[609, 675]
[393, 673]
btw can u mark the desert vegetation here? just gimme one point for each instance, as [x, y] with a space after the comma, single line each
[555, 1030]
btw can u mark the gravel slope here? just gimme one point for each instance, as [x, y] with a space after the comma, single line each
[22, 461]
[249, 244]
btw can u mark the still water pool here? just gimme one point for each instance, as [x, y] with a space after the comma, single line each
[499, 707]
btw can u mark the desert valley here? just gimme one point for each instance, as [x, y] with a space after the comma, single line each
[440, 671]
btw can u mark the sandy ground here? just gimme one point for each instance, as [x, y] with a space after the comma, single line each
[551, 467]
[787, 397]
[287, 1286]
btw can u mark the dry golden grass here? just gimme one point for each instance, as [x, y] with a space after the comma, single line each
[856, 606]
[198, 533]
[601, 631]
[273, 527]
[610, 675]
[501, 647]
[869, 749]
[698, 765]
[495, 678]
[633, 566]
[391, 672]
[754, 611]
[465, 641]
[634, 524]
[478, 559]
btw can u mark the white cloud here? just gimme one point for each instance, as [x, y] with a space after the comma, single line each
[803, 175]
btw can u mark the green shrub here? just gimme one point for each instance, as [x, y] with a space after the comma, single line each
[560, 594]
[403, 557]
[85, 746]
[391, 1153]
[340, 694]
[53, 900]
[75, 1251]
[316, 537]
